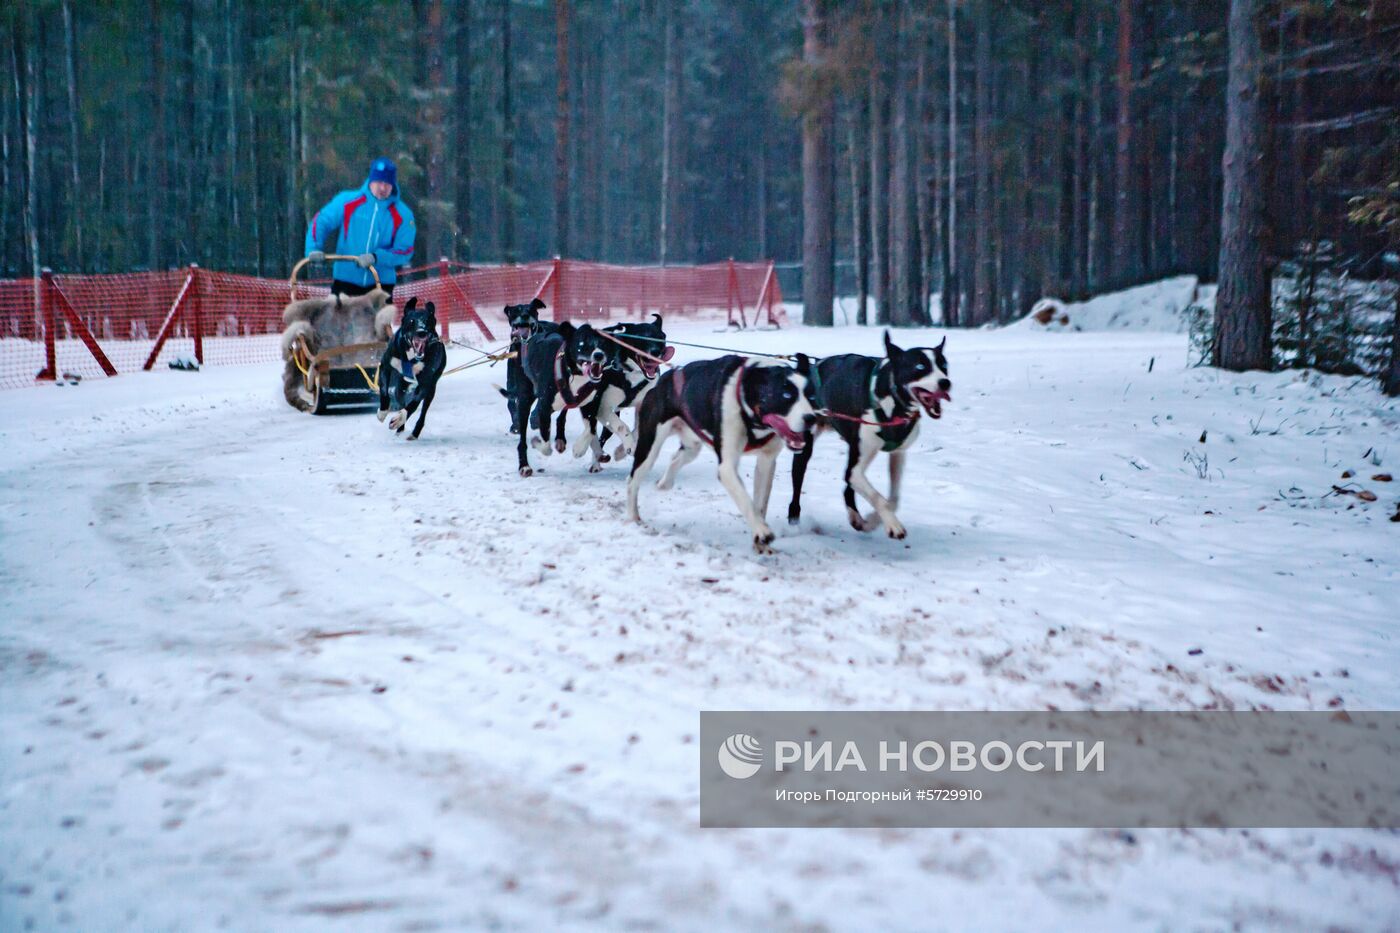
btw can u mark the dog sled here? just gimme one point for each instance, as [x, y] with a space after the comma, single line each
[331, 347]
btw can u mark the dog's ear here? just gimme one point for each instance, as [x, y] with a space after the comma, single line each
[566, 330]
[537, 305]
[656, 319]
[941, 344]
[890, 348]
[432, 315]
[804, 365]
[412, 303]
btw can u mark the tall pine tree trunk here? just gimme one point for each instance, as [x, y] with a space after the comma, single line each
[462, 126]
[818, 178]
[879, 185]
[27, 104]
[439, 210]
[904, 234]
[1243, 313]
[232, 196]
[75, 202]
[1093, 252]
[860, 197]
[1124, 232]
[294, 162]
[1079, 241]
[159, 189]
[670, 135]
[561, 128]
[951, 314]
[507, 141]
[984, 268]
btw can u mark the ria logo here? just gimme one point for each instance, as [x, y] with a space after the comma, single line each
[740, 756]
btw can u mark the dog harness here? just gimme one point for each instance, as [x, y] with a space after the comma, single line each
[561, 383]
[752, 442]
[895, 422]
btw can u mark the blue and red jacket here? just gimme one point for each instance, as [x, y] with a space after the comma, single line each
[366, 225]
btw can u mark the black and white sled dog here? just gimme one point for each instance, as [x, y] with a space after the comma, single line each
[410, 368]
[874, 405]
[524, 321]
[560, 368]
[736, 406]
[637, 345]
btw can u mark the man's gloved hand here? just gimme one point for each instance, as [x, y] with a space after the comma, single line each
[316, 255]
[364, 260]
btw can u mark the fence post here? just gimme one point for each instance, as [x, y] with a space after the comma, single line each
[78, 327]
[166, 328]
[198, 314]
[50, 370]
[729, 292]
[772, 291]
[443, 273]
[558, 277]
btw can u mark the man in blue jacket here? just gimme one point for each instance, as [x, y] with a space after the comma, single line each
[375, 227]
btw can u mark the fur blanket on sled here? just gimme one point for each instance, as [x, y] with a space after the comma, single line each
[331, 321]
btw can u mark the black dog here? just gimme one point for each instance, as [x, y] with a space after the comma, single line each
[874, 405]
[524, 321]
[736, 406]
[638, 345]
[559, 369]
[410, 368]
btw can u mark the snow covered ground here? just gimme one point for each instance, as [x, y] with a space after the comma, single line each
[263, 671]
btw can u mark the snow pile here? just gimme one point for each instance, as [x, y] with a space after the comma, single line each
[260, 670]
[1156, 306]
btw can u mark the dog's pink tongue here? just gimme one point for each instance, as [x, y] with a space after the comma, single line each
[779, 423]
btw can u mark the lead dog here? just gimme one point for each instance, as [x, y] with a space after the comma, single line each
[874, 405]
[638, 346]
[736, 406]
[524, 321]
[559, 369]
[410, 368]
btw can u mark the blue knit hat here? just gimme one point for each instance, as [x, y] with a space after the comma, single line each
[384, 169]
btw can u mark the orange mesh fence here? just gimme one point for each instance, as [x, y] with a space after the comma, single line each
[91, 325]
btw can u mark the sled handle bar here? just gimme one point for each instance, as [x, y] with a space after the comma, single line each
[296, 270]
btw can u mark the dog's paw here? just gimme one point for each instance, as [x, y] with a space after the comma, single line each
[604, 458]
[582, 444]
[665, 482]
[382, 414]
[411, 437]
[763, 541]
[794, 516]
[595, 467]
[621, 452]
[526, 471]
[560, 444]
[895, 529]
[397, 420]
[857, 522]
[540, 445]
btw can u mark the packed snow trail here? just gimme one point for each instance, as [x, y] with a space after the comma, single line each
[265, 671]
